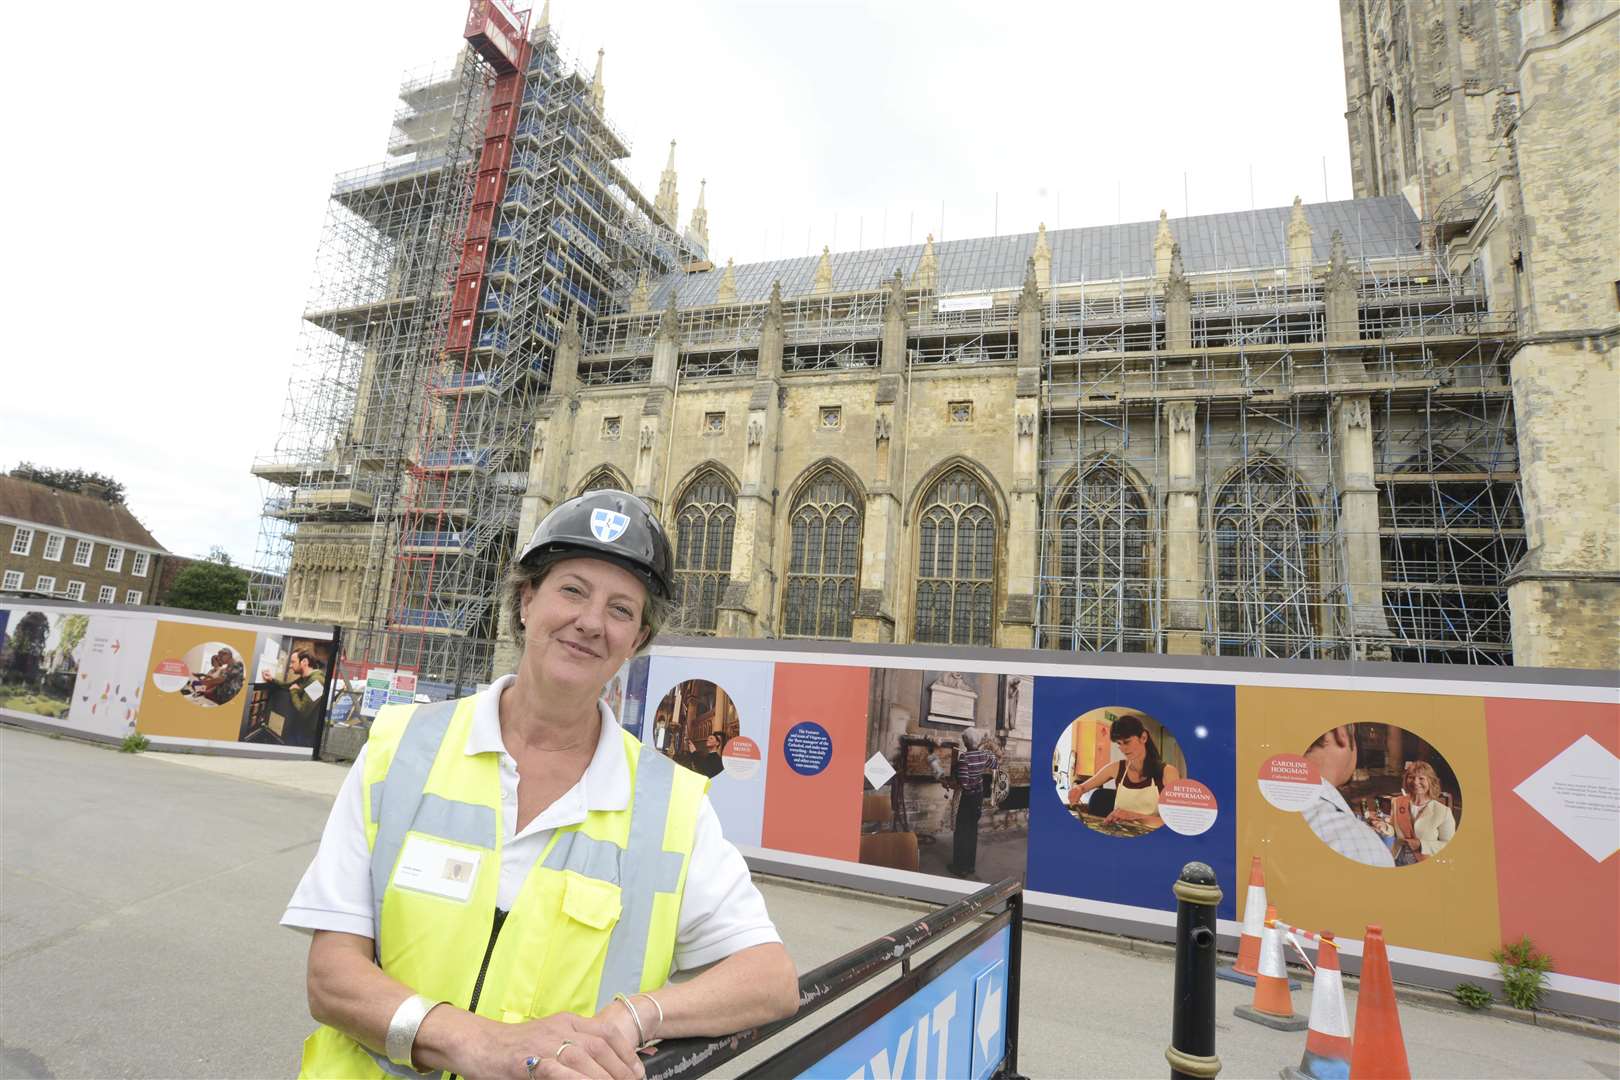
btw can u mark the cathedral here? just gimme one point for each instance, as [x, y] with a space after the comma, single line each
[1381, 428]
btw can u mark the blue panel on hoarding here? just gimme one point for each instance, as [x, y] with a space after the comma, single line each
[1071, 858]
[954, 1024]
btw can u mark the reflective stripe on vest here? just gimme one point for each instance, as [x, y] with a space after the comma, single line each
[640, 870]
[406, 804]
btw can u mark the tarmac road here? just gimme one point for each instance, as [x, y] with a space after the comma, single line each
[138, 937]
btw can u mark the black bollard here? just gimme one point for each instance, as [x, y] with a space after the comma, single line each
[1192, 1027]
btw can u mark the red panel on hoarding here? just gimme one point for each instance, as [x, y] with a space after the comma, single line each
[817, 813]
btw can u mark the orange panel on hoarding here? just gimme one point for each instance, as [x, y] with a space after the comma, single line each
[1552, 769]
[813, 795]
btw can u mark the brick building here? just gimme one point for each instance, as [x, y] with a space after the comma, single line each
[75, 547]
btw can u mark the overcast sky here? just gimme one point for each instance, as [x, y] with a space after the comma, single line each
[169, 165]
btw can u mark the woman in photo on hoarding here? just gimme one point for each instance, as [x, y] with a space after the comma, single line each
[1138, 778]
[1423, 823]
[508, 881]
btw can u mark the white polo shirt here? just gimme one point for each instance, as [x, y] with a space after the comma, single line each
[721, 911]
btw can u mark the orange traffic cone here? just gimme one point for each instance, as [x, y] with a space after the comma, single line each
[1378, 1051]
[1327, 1041]
[1254, 921]
[1273, 1004]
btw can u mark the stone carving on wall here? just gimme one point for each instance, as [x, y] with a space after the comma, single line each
[1183, 415]
[884, 428]
[647, 436]
[1503, 118]
[1026, 425]
[1355, 411]
[952, 700]
[756, 433]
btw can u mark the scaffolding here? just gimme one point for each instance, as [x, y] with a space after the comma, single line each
[444, 279]
[1275, 577]
[447, 276]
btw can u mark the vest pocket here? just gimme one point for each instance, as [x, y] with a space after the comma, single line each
[590, 901]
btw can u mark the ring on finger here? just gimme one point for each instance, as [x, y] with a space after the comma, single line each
[557, 1055]
[532, 1062]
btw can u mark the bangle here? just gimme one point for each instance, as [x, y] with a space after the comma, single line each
[641, 1032]
[401, 1037]
[657, 1006]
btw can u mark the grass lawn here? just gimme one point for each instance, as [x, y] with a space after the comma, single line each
[20, 700]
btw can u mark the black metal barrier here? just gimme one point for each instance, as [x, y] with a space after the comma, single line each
[993, 1004]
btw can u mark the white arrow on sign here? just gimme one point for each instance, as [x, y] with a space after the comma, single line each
[989, 1019]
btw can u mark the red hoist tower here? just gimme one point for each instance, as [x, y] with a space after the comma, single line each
[429, 593]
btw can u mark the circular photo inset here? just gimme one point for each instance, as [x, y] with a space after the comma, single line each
[693, 724]
[1387, 796]
[209, 675]
[1110, 767]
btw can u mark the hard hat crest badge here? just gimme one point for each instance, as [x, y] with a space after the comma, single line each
[608, 525]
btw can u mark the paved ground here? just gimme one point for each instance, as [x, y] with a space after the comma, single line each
[139, 897]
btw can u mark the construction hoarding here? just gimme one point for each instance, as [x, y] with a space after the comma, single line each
[182, 679]
[1454, 811]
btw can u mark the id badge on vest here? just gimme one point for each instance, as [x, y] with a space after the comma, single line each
[432, 866]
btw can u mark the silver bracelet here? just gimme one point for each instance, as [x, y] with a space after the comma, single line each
[402, 1029]
[641, 1032]
[657, 1006]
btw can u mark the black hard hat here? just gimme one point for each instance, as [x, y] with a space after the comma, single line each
[605, 524]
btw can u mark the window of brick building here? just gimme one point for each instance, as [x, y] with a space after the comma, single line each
[142, 562]
[22, 541]
[53, 546]
[46, 584]
[12, 581]
[81, 552]
[115, 559]
[75, 590]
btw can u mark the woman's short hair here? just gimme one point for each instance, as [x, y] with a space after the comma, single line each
[654, 611]
[1425, 770]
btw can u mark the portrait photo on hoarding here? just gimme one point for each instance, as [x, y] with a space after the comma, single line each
[289, 692]
[1387, 798]
[1110, 766]
[39, 661]
[693, 723]
[947, 777]
[217, 673]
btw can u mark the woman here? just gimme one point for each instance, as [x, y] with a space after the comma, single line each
[1423, 824]
[1138, 778]
[507, 881]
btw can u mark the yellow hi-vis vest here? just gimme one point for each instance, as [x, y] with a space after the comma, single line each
[596, 916]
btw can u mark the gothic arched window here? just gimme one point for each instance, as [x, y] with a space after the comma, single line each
[824, 559]
[1449, 534]
[705, 522]
[1097, 575]
[1266, 541]
[956, 563]
[603, 477]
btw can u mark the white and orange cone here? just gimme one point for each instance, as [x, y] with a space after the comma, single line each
[1254, 921]
[1273, 1004]
[1327, 1040]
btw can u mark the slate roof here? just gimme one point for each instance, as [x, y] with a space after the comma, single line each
[49, 508]
[1373, 228]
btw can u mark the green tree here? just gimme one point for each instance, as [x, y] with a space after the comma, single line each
[75, 480]
[69, 635]
[208, 586]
